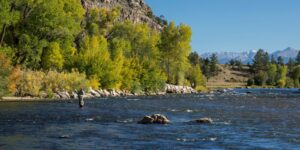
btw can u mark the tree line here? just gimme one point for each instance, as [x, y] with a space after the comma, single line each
[268, 71]
[61, 36]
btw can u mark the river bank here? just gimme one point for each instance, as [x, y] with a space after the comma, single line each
[169, 90]
[102, 93]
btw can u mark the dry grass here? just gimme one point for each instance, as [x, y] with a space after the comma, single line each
[228, 78]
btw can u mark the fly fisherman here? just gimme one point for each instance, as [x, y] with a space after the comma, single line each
[81, 94]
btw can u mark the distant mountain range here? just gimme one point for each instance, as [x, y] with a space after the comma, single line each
[247, 56]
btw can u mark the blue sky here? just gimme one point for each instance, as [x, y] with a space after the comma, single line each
[235, 25]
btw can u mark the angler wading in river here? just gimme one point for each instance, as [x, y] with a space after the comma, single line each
[81, 94]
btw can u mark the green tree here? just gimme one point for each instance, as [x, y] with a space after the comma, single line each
[291, 64]
[5, 69]
[29, 51]
[9, 16]
[152, 78]
[175, 49]
[196, 77]
[273, 61]
[260, 78]
[101, 21]
[260, 62]
[94, 58]
[213, 65]
[298, 58]
[39, 23]
[195, 59]
[280, 61]
[206, 68]
[296, 75]
[282, 73]
[272, 72]
[117, 48]
[54, 19]
[53, 59]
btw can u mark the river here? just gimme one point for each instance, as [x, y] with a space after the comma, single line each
[243, 119]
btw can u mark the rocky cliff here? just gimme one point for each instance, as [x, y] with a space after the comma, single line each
[135, 10]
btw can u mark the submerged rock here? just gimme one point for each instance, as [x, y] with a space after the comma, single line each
[64, 136]
[204, 120]
[155, 119]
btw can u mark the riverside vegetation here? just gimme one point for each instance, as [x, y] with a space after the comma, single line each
[57, 45]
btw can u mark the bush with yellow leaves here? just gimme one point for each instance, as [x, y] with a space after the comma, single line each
[32, 83]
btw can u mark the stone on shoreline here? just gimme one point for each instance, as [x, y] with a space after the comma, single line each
[91, 93]
[64, 95]
[113, 93]
[155, 119]
[94, 93]
[43, 95]
[106, 93]
[179, 89]
[74, 95]
[56, 96]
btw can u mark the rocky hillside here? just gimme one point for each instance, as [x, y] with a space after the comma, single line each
[135, 10]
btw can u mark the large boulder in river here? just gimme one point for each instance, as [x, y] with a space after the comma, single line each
[204, 120]
[155, 119]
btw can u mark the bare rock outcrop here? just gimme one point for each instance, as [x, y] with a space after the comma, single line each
[135, 10]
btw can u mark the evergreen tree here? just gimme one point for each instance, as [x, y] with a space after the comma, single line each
[280, 61]
[272, 73]
[260, 62]
[298, 58]
[296, 75]
[291, 64]
[195, 59]
[206, 68]
[213, 64]
[260, 67]
[273, 61]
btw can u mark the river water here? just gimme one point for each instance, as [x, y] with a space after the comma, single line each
[243, 119]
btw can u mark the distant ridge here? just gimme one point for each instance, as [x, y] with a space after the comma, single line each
[286, 54]
[247, 56]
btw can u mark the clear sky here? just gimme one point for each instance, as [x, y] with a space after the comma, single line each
[235, 25]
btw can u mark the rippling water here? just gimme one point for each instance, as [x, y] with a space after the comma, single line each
[243, 119]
